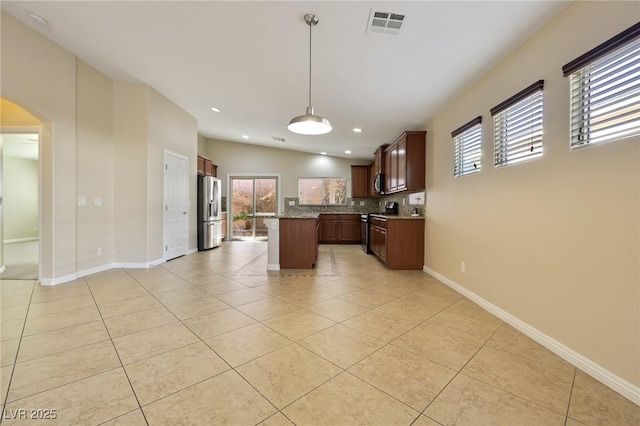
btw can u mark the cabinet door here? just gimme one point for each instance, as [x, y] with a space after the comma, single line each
[201, 161]
[329, 231]
[350, 228]
[359, 181]
[387, 168]
[208, 168]
[383, 244]
[401, 157]
[392, 169]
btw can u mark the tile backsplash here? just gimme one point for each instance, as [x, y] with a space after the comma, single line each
[359, 205]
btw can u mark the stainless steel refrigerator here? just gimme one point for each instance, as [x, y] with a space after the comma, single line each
[209, 214]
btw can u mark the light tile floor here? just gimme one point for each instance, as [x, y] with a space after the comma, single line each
[211, 338]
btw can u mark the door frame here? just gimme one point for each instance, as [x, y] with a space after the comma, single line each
[279, 198]
[17, 130]
[164, 202]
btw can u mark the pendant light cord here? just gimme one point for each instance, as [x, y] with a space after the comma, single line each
[310, 25]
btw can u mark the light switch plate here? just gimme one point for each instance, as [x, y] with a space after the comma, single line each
[82, 201]
[97, 202]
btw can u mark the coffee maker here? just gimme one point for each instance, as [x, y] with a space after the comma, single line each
[390, 207]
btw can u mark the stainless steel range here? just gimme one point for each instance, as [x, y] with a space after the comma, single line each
[364, 233]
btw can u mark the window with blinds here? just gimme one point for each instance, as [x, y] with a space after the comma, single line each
[467, 148]
[518, 126]
[605, 91]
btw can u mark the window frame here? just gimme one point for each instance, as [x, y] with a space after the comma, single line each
[598, 85]
[467, 142]
[324, 202]
[510, 124]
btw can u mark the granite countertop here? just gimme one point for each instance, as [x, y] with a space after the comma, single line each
[311, 215]
[395, 217]
[317, 214]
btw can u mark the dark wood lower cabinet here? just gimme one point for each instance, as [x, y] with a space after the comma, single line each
[339, 228]
[298, 243]
[398, 242]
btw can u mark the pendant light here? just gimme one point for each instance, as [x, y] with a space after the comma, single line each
[309, 123]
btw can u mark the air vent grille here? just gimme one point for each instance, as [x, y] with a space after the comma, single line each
[385, 22]
[278, 139]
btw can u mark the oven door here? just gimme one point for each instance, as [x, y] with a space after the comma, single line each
[364, 233]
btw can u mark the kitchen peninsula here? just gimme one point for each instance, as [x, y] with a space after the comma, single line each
[293, 241]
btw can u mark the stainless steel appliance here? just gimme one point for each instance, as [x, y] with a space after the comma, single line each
[364, 233]
[209, 214]
[378, 183]
[391, 207]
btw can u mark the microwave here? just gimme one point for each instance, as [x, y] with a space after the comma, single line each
[378, 183]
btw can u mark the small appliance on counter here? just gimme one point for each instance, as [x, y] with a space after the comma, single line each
[390, 207]
[415, 212]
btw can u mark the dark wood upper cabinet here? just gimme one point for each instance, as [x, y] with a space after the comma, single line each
[378, 161]
[360, 181]
[206, 167]
[405, 163]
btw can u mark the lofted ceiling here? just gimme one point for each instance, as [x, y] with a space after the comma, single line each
[250, 59]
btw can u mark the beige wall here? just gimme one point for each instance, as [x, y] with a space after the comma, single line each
[40, 76]
[554, 241]
[100, 139]
[170, 128]
[20, 198]
[130, 172]
[95, 224]
[238, 158]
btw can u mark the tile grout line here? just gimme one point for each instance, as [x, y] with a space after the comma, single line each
[118, 355]
[231, 368]
[15, 359]
[573, 384]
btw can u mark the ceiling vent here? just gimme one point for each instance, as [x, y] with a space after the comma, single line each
[278, 139]
[384, 22]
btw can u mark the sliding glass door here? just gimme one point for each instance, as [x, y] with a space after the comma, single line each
[253, 199]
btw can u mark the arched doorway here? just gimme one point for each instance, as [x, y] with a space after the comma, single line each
[20, 218]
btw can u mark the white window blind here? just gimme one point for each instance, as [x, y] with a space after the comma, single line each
[518, 126]
[605, 93]
[467, 148]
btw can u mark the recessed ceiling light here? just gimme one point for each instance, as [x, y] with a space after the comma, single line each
[38, 19]
[215, 109]
[245, 137]
[357, 130]
[323, 153]
[347, 152]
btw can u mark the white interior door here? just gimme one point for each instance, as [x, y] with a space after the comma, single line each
[176, 205]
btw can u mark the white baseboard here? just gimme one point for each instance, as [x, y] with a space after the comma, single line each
[58, 280]
[273, 267]
[20, 240]
[100, 268]
[618, 384]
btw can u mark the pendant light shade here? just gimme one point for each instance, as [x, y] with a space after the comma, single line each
[309, 123]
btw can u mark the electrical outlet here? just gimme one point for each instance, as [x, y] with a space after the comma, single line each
[292, 203]
[273, 225]
[463, 267]
[362, 203]
[353, 202]
[99, 251]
